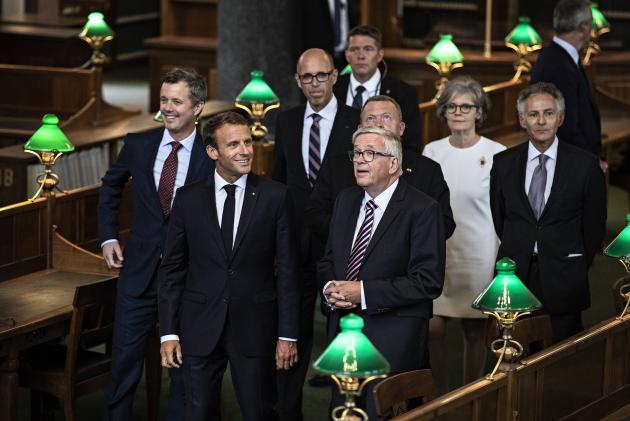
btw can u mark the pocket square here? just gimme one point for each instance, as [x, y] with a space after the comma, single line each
[574, 255]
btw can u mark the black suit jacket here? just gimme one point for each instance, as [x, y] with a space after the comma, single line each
[582, 125]
[148, 229]
[406, 97]
[402, 271]
[573, 222]
[288, 165]
[199, 285]
[338, 174]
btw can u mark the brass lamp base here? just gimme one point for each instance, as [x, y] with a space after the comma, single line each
[521, 67]
[257, 112]
[47, 180]
[444, 71]
[506, 348]
[351, 387]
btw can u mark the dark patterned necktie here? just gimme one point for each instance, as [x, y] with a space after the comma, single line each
[361, 243]
[357, 102]
[314, 157]
[167, 179]
[227, 219]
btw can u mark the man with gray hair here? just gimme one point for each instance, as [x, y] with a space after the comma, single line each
[384, 258]
[549, 210]
[559, 63]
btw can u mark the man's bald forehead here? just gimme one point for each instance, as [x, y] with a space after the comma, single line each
[315, 53]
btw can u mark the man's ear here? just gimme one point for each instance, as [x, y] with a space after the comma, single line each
[197, 109]
[521, 120]
[212, 153]
[394, 166]
[297, 80]
[560, 119]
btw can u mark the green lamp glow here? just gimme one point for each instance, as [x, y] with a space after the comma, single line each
[349, 358]
[619, 249]
[96, 32]
[351, 353]
[523, 39]
[257, 98]
[158, 117]
[444, 57]
[506, 299]
[599, 27]
[48, 143]
[506, 292]
[346, 70]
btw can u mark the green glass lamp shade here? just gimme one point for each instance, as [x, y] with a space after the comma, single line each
[96, 27]
[619, 248]
[445, 51]
[599, 20]
[346, 70]
[257, 91]
[506, 292]
[351, 353]
[523, 33]
[158, 117]
[49, 137]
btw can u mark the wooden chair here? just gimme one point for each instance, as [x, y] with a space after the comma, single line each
[534, 333]
[393, 393]
[618, 299]
[72, 369]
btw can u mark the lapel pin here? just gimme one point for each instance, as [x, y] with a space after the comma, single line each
[408, 170]
[482, 161]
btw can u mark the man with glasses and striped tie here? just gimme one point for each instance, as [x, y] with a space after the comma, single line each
[306, 137]
[384, 258]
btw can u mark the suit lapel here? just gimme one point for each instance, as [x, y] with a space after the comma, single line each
[519, 188]
[214, 219]
[336, 142]
[560, 175]
[393, 209]
[294, 143]
[197, 157]
[152, 145]
[249, 203]
[348, 225]
[386, 87]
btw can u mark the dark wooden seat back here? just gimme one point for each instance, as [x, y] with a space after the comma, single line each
[618, 299]
[394, 392]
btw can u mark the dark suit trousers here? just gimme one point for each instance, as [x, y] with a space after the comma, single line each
[562, 325]
[253, 379]
[291, 382]
[135, 319]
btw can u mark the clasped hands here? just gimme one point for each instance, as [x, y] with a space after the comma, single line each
[343, 294]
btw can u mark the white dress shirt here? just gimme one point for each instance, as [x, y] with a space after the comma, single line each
[550, 165]
[183, 160]
[573, 52]
[325, 127]
[382, 201]
[372, 86]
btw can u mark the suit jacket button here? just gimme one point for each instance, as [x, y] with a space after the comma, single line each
[230, 272]
[225, 299]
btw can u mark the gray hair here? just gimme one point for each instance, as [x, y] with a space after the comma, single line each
[540, 88]
[569, 14]
[464, 85]
[196, 83]
[393, 145]
[383, 98]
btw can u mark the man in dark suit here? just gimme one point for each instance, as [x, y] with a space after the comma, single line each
[364, 53]
[219, 297]
[159, 161]
[549, 210]
[559, 63]
[307, 136]
[337, 173]
[385, 255]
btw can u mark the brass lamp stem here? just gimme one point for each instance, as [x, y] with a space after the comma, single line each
[47, 180]
[625, 293]
[505, 321]
[351, 387]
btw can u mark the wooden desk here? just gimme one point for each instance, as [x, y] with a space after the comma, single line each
[33, 309]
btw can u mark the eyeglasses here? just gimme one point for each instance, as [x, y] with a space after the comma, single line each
[372, 120]
[308, 77]
[368, 156]
[463, 108]
[368, 49]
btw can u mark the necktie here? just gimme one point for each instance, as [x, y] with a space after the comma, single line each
[167, 179]
[227, 219]
[357, 102]
[361, 243]
[536, 193]
[314, 159]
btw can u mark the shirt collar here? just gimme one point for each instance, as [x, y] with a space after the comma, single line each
[219, 182]
[382, 200]
[371, 85]
[573, 52]
[551, 152]
[186, 143]
[327, 113]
